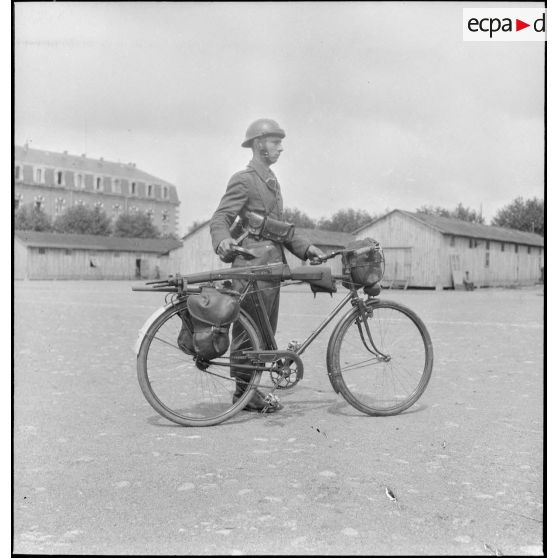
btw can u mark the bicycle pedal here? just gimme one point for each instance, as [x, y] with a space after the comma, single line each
[271, 401]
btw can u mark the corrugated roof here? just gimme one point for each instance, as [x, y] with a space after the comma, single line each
[456, 227]
[94, 242]
[86, 164]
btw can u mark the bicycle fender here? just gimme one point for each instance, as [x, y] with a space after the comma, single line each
[332, 374]
[143, 330]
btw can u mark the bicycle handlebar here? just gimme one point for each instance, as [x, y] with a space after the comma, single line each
[333, 253]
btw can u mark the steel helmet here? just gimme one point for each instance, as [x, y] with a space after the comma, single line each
[262, 127]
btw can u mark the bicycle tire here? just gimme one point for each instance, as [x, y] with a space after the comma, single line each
[384, 387]
[178, 389]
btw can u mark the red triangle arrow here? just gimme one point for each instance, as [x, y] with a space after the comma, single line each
[519, 25]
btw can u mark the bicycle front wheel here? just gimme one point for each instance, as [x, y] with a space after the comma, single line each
[388, 376]
[180, 390]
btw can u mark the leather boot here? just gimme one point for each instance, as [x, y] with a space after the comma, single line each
[257, 401]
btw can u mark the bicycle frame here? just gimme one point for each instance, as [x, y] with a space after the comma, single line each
[267, 331]
[253, 274]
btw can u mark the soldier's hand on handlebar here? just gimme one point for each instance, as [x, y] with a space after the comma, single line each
[225, 250]
[315, 255]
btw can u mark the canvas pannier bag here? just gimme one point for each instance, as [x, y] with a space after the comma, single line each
[364, 264]
[206, 323]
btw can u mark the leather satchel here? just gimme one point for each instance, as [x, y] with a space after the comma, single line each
[206, 323]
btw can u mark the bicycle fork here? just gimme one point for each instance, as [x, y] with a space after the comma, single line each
[364, 312]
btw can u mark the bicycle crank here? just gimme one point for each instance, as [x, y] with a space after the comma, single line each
[286, 368]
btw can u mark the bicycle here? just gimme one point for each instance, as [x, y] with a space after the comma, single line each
[379, 355]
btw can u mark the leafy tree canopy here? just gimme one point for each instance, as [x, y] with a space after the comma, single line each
[460, 212]
[31, 218]
[298, 218]
[137, 225]
[523, 215]
[80, 219]
[345, 220]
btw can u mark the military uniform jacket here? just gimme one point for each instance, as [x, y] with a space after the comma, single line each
[254, 189]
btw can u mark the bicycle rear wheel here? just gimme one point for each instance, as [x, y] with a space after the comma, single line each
[391, 381]
[181, 391]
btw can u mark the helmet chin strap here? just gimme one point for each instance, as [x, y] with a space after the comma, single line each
[264, 153]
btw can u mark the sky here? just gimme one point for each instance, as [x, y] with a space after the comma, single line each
[384, 105]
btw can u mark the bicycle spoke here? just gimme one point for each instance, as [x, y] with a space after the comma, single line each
[361, 364]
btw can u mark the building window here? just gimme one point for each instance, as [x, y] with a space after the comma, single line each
[59, 178]
[39, 202]
[503, 247]
[98, 183]
[487, 259]
[516, 248]
[67, 252]
[150, 190]
[116, 254]
[452, 240]
[471, 243]
[42, 250]
[488, 244]
[39, 176]
[117, 186]
[17, 172]
[165, 192]
[79, 181]
[59, 205]
[133, 189]
[528, 249]
[116, 209]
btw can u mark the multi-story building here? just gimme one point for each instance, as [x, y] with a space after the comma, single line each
[55, 181]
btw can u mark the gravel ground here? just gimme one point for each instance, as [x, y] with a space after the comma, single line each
[97, 471]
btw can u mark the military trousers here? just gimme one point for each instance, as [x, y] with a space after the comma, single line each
[267, 252]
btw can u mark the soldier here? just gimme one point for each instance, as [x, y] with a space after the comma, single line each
[256, 189]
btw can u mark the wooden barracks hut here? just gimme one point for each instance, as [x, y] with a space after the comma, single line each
[43, 255]
[430, 251]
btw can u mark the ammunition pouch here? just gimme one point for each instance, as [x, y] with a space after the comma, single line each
[262, 226]
[206, 323]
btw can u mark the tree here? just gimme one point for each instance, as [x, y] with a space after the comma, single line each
[29, 217]
[80, 219]
[137, 225]
[298, 218]
[434, 210]
[523, 215]
[460, 212]
[345, 220]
